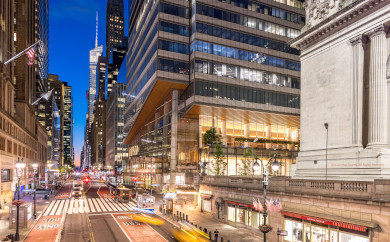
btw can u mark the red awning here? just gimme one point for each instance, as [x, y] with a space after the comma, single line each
[205, 196]
[327, 222]
[240, 204]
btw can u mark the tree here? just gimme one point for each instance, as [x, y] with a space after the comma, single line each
[220, 164]
[246, 162]
[211, 137]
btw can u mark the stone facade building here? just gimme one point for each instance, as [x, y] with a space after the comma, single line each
[21, 135]
[344, 55]
[339, 193]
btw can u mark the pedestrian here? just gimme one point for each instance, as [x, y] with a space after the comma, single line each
[216, 233]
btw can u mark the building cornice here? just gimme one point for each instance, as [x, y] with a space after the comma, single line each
[337, 22]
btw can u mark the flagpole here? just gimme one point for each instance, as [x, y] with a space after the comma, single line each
[22, 53]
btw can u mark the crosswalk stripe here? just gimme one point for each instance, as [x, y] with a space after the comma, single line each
[70, 210]
[86, 207]
[49, 208]
[104, 201]
[95, 202]
[76, 207]
[66, 207]
[123, 207]
[112, 207]
[81, 205]
[59, 210]
[104, 206]
[117, 208]
[91, 205]
[52, 212]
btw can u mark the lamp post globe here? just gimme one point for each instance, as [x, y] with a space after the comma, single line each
[256, 166]
[275, 165]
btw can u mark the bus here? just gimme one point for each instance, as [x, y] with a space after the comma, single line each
[146, 202]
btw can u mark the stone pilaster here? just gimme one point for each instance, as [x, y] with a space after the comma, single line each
[357, 90]
[223, 131]
[377, 124]
[246, 134]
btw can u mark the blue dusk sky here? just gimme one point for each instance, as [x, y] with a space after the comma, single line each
[72, 31]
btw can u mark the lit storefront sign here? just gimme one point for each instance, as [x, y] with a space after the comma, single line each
[312, 229]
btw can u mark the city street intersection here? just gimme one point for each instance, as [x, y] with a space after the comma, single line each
[95, 216]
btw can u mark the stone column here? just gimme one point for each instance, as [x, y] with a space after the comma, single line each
[357, 90]
[223, 131]
[288, 137]
[377, 123]
[246, 134]
[174, 123]
[268, 136]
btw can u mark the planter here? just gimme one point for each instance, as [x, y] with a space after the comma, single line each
[265, 228]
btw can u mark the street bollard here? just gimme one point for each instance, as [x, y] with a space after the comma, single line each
[200, 227]
[187, 217]
[210, 235]
[196, 225]
[177, 213]
[174, 217]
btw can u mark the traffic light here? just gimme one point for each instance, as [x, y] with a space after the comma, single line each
[135, 179]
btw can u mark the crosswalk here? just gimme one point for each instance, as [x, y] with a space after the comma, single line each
[87, 205]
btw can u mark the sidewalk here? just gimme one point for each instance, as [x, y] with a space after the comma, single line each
[204, 220]
[42, 203]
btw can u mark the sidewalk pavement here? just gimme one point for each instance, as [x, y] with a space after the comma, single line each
[42, 203]
[229, 233]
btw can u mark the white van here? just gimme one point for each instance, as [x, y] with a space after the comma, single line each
[77, 188]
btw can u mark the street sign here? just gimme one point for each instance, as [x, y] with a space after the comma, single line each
[283, 232]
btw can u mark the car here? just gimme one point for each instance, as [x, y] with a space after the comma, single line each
[77, 192]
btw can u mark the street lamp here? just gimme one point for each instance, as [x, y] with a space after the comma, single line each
[35, 166]
[275, 166]
[326, 125]
[20, 165]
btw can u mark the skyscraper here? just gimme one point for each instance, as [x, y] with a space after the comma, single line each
[94, 55]
[114, 25]
[223, 65]
[68, 125]
[93, 60]
[118, 53]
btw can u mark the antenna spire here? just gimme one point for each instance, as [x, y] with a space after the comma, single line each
[97, 25]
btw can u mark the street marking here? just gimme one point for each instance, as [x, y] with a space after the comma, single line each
[66, 207]
[86, 207]
[81, 205]
[121, 206]
[123, 230]
[91, 205]
[76, 208]
[116, 208]
[52, 212]
[104, 201]
[59, 210]
[100, 204]
[70, 210]
[49, 208]
[95, 202]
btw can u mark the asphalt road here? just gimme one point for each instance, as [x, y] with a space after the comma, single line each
[110, 226]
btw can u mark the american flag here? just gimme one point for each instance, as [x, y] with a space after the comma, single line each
[257, 204]
[31, 55]
[277, 206]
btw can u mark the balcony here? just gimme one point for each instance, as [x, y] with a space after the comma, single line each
[378, 190]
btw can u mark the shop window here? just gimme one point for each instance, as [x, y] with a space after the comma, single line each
[5, 175]
[344, 237]
[232, 214]
[319, 234]
[295, 230]
[240, 215]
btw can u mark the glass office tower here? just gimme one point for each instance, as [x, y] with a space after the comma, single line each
[197, 65]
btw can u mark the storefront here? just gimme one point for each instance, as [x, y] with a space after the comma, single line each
[243, 213]
[205, 203]
[303, 228]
